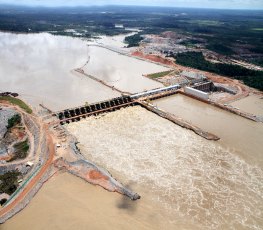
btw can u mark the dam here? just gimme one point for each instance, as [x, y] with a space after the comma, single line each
[75, 114]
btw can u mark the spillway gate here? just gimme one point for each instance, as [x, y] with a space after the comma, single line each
[75, 114]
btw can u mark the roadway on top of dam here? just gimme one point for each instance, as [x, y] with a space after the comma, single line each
[74, 114]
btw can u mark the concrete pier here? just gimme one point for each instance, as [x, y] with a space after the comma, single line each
[75, 114]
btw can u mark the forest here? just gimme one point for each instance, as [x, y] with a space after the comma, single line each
[237, 34]
[133, 40]
[196, 60]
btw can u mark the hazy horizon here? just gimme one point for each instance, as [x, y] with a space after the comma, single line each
[210, 4]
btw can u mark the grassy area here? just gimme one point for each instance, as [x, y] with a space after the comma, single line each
[21, 150]
[9, 182]
[160, 74]
[16, 119]
[18, 102]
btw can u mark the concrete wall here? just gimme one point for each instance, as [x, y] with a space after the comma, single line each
[196, 93]
[205, 87]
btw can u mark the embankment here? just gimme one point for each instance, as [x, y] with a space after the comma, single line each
[226, 108]
[95, 175]
[179, 121]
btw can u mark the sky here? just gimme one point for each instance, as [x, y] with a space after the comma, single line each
[223, 4]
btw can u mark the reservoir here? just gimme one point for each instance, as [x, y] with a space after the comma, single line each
[40, 67]
[123, 72]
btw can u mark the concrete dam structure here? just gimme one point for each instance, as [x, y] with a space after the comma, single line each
[75, 114]
[205, 86]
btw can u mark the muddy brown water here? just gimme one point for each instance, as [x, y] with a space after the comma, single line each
[242, 136]
[185, 181]
[66, 202]
[251, 104]
[127, 76]
[194, 182]
[40, 68]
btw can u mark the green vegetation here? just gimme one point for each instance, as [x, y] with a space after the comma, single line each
[133, 40]
[222, 31]
[257, 49]
[17, 102]
[219, 48]
[258, 62]
[190, 42]
[21, 150]
[226, 27]
[9, 182]
[85, 22]
[206, 22]
[16, 119]
[196, 60]
[160, 74]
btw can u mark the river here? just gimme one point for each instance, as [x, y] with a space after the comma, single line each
[185, 181]
[242, 136]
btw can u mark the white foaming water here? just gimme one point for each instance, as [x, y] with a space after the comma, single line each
[190, 176]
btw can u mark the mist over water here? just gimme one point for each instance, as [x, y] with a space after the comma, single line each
[189, 176]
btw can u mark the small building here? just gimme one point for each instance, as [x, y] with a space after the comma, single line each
[58, 145]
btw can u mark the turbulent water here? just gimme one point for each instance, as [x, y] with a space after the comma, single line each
[198, 184]
[190, 177]
[241, 135]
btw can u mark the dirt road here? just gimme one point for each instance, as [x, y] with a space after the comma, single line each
[35, 179]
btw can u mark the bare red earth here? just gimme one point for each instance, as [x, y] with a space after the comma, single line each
[95, 175]
[153, 58]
